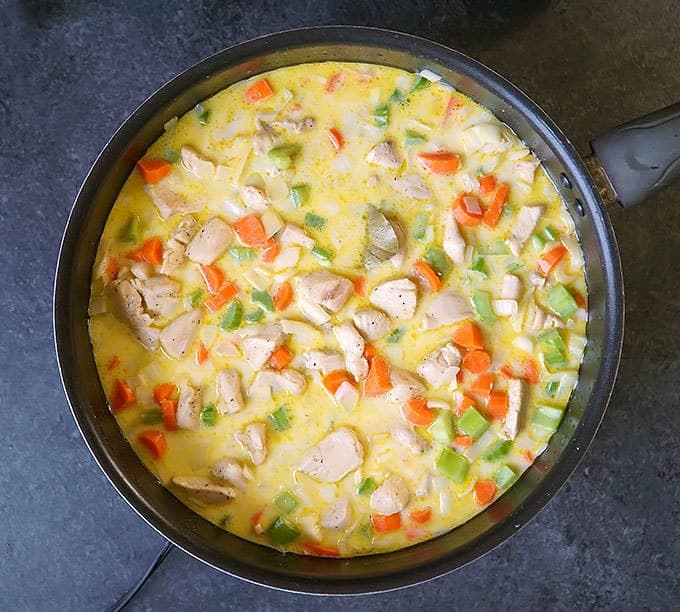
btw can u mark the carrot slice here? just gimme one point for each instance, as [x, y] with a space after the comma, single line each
[224, 295]
[579, 299]
[153, 170]
[283, 297]
[154, 440]
[484, 491]
[370, 351]
[465, 210]
[477, 361]
[440, 162]
[421, 516]
[531, 372]
[153, 251]
[320, 551]
[201, 354]
[336, 139]
[122, 396]
[259, 90]
[427, 275]
[280, 358]
[498, 404]
[464, 441]
[271, 250]
[506, 371]
[550, 259]
[493, 213]
[482, 386]
[251, 231]
[334, 379]
[378, 380]
[487, 184]
[360, 285]
[334, 82]
[112, 268]
[169, 409]
[469, 335]
[213, 277]
[163, 391]
[384, 523]
[416, 411]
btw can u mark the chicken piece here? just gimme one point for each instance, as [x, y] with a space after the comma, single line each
[396, 297]
[446, 308]
[391, 496]
[126, 304]
[227, 348]
[188, 406]
[176, 337]
[210, 241]
[347, 396]
[338, 515]
[254, 198]
[186, 229]
[372, 323]
[229, 392]
[260, 343]
[352, 345]
[264, 138]
[267, 382]
[195, 163]
[413, 441]
[293, 235]
[168, 202]
[524, 170]
[412, 186]
[297, 126]
[173, 254]
[160, 293]
[204, 489]
[454, 243]
[338, 454]
[440, 367]
[232, 472]
[141, 270]
[511, 288]
[524, 226]
[253, 441]
[385, 154]
[404, 386]
[515, 401]
[319, 361]
[325, 288]
[304, 333]
[313, 312]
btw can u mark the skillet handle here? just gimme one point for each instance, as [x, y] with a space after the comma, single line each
[638, 158]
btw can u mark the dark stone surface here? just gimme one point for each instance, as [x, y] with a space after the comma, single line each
[70, 72]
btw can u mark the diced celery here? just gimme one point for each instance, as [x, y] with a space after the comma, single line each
[453, 465]
[481, 301]
[555, 360]
[130, 231]
[514, 266]
[381, 115]
[171, 156]
[479, 266]
[396, 335]
[420, 83]
[286, 501]
[314, 221]
[552, 339]
[439, 260]
[471, 423]
[263, 299]
[497, 450]
[420, 227]
[549, 234]
[151, 416]
[233, 315]
[412, 138]
[551, 388]
[282, 156]
[322, 253]
[367, 486]
[202, 114]
[299, 194]
[193, 298]
[242, 254]
[504, 476]
[209, 416]
[537, 242]
[498, 248]
[279, 419]
[280, 532]
[397, 96]
[546, 417]
[255, 316]
[442, 428]
[561, 302]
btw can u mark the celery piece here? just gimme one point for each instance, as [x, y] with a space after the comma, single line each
[551, 388]
[481, 302]
[552, 339]
[171, 156]
[381, 115]
[412, 138]
[282, 156]
[397, 96]
[472, 423]
[314, 221]
[420, 83]
[367, 486]
[396, 335]
[561, 302]
[420, 226]
[202, 114]
[209, 416]
[546, 417]
[279, 419]
[514, 266]
[242, 254]
[498, 449]
[193, 298]
[286, 502]
[263, 299]
[130, 231]
[232, 317]
[442, 428]
[322, 253]
[299, 194]
[504, 476]
[453, 465]
[280, 532]
[439, 260]
[555, 359]
[255, 316]
[151, 416]
[479, 266]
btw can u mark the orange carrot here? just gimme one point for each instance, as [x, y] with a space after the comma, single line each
[469, 335]
[122, 396]
[360, 285]
[280, 358]
[506, 371]
[378, 380]
[163, 391]
[421, 516]
[270, 251]
[466, 210]
[484, 491]
[136, 255]
[334, 82]
[483, 384]
[465, 403]
[169, 409]
[222, 297]
[113, 364]
[336, 139]
[427, 275]
[550, 259]
[251, 231]
[153, 170]
[283, 297]
[464, 441]
[112, 268]
[154, 440]
[384, 523]
[201, 354]
[255, 518]
[334, 379]
[153, 251]
[259, 90]
[531, 372]
[370, 351]
[452, 105]
[477, 361]
[440, 162]
[527, 455]
[213, 277]
[416, 411]
[579, 299]
[493, 213]
[487, 184]
[498, 404]
[320, 551]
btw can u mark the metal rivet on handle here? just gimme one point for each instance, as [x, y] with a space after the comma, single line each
[578, 207]
[565, 180]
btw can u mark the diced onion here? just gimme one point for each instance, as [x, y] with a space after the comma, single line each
[433, 77]
[524, 343]
[505, 308]
[437, 405]
[479, 446]
[271, 221]
[258, 279]
[97, 305]
[327, 492]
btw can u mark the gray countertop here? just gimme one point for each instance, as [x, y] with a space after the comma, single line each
[70, 72]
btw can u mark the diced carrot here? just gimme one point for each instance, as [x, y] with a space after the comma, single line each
[370, 351]
[222, 297]
[464, 441]
[465, 212]
[334, 82]
[384, 523]
[112, 268]
[452, 105]
[498, 404]
[336, 139]
[484, 491]
[465, 403]
[440, 162]
[334, 379]
[153, 170]
[113, 364]
[122, 396]
[460, 376]
[487, 184]
[255, 518]
[550, 259]
[251, 231]
[259, 90]
[427, 275]
[136, 255]
[201, 354]
[531, 372]
[378, 380]
[477, 361]
[213, 277]
[420, 516]
[527, 455]
[360, 285]
[469, 335]
[163, 391]
[270, 251]
[169, 409]
[416, 411]
[154, 440]
[579, 299]
[506, 372]
[153, 251]
[483, 385]
[283, 296]
[320, 551]
[280, 358]
[493, 213]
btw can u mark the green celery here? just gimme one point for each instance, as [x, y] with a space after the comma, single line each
[472, 423]
[233, 315]
[282, 156]
[202, 113]
[209, 416]
[561, 302]
[171, 156]
[396, 335]
[549, 234]
[255, 316]
[263, 299]
[504, 476]
[367, 486]
[551, 388]
[453, 465]
[280, 532]
[420, 83]
[481, 302]
[479, 266]
[279, 419]
[322, 253]
[442, 428]
[151, 416]
[555, 360]
[130, 231]
[420, 227]
[242, 254]
[314, 221]
[552, 339]
[439, 260]
[546, 417]
[498, 449]
[397, 96]
[299, 194]
[537, 242]
[412, 138]
[381, 115]
[193, 298]
[286, 501]
[514, 266]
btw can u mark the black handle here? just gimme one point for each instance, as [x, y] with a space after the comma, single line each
[642, 156]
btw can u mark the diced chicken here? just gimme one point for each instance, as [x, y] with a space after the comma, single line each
[511, 288]
[325, 288]
[352, 345]
[405, 435]
[287, 258]
[173, 254]
[385, 154]
[231, 472]
[303, 332]
[424, 486]
[168, 202]
[293, 235]
[260, 343]
[319, 361]
[412, 186]
[338, 515]
[313, 312]
[226, 348]
[347, 396]
[454, 243]
[254, 198]
[267, 382]
[210, 241]
[177, 336]
[440, 367]
[229, 391]
[524, 226]
[264, 138]
[404, 386]
[297, 126]
[525, 170]
[141, 270]
[126, 304]
[536, 318]
[515, 400]
[195, 163]
[160, 293]
[446, 308]
[188, 406]
[372, 323]
[186, 229]
[338, 454]
[396, 297]
[253, 441]
[391, 496]
[204, 489]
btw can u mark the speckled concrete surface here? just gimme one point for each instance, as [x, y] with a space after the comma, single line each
[70, 72]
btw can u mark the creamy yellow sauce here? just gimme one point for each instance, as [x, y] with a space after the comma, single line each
[341, 184]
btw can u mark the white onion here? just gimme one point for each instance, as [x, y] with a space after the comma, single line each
[505, 308]
[271, 221]
[524, 343]
[258, 279]
[433, 77]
